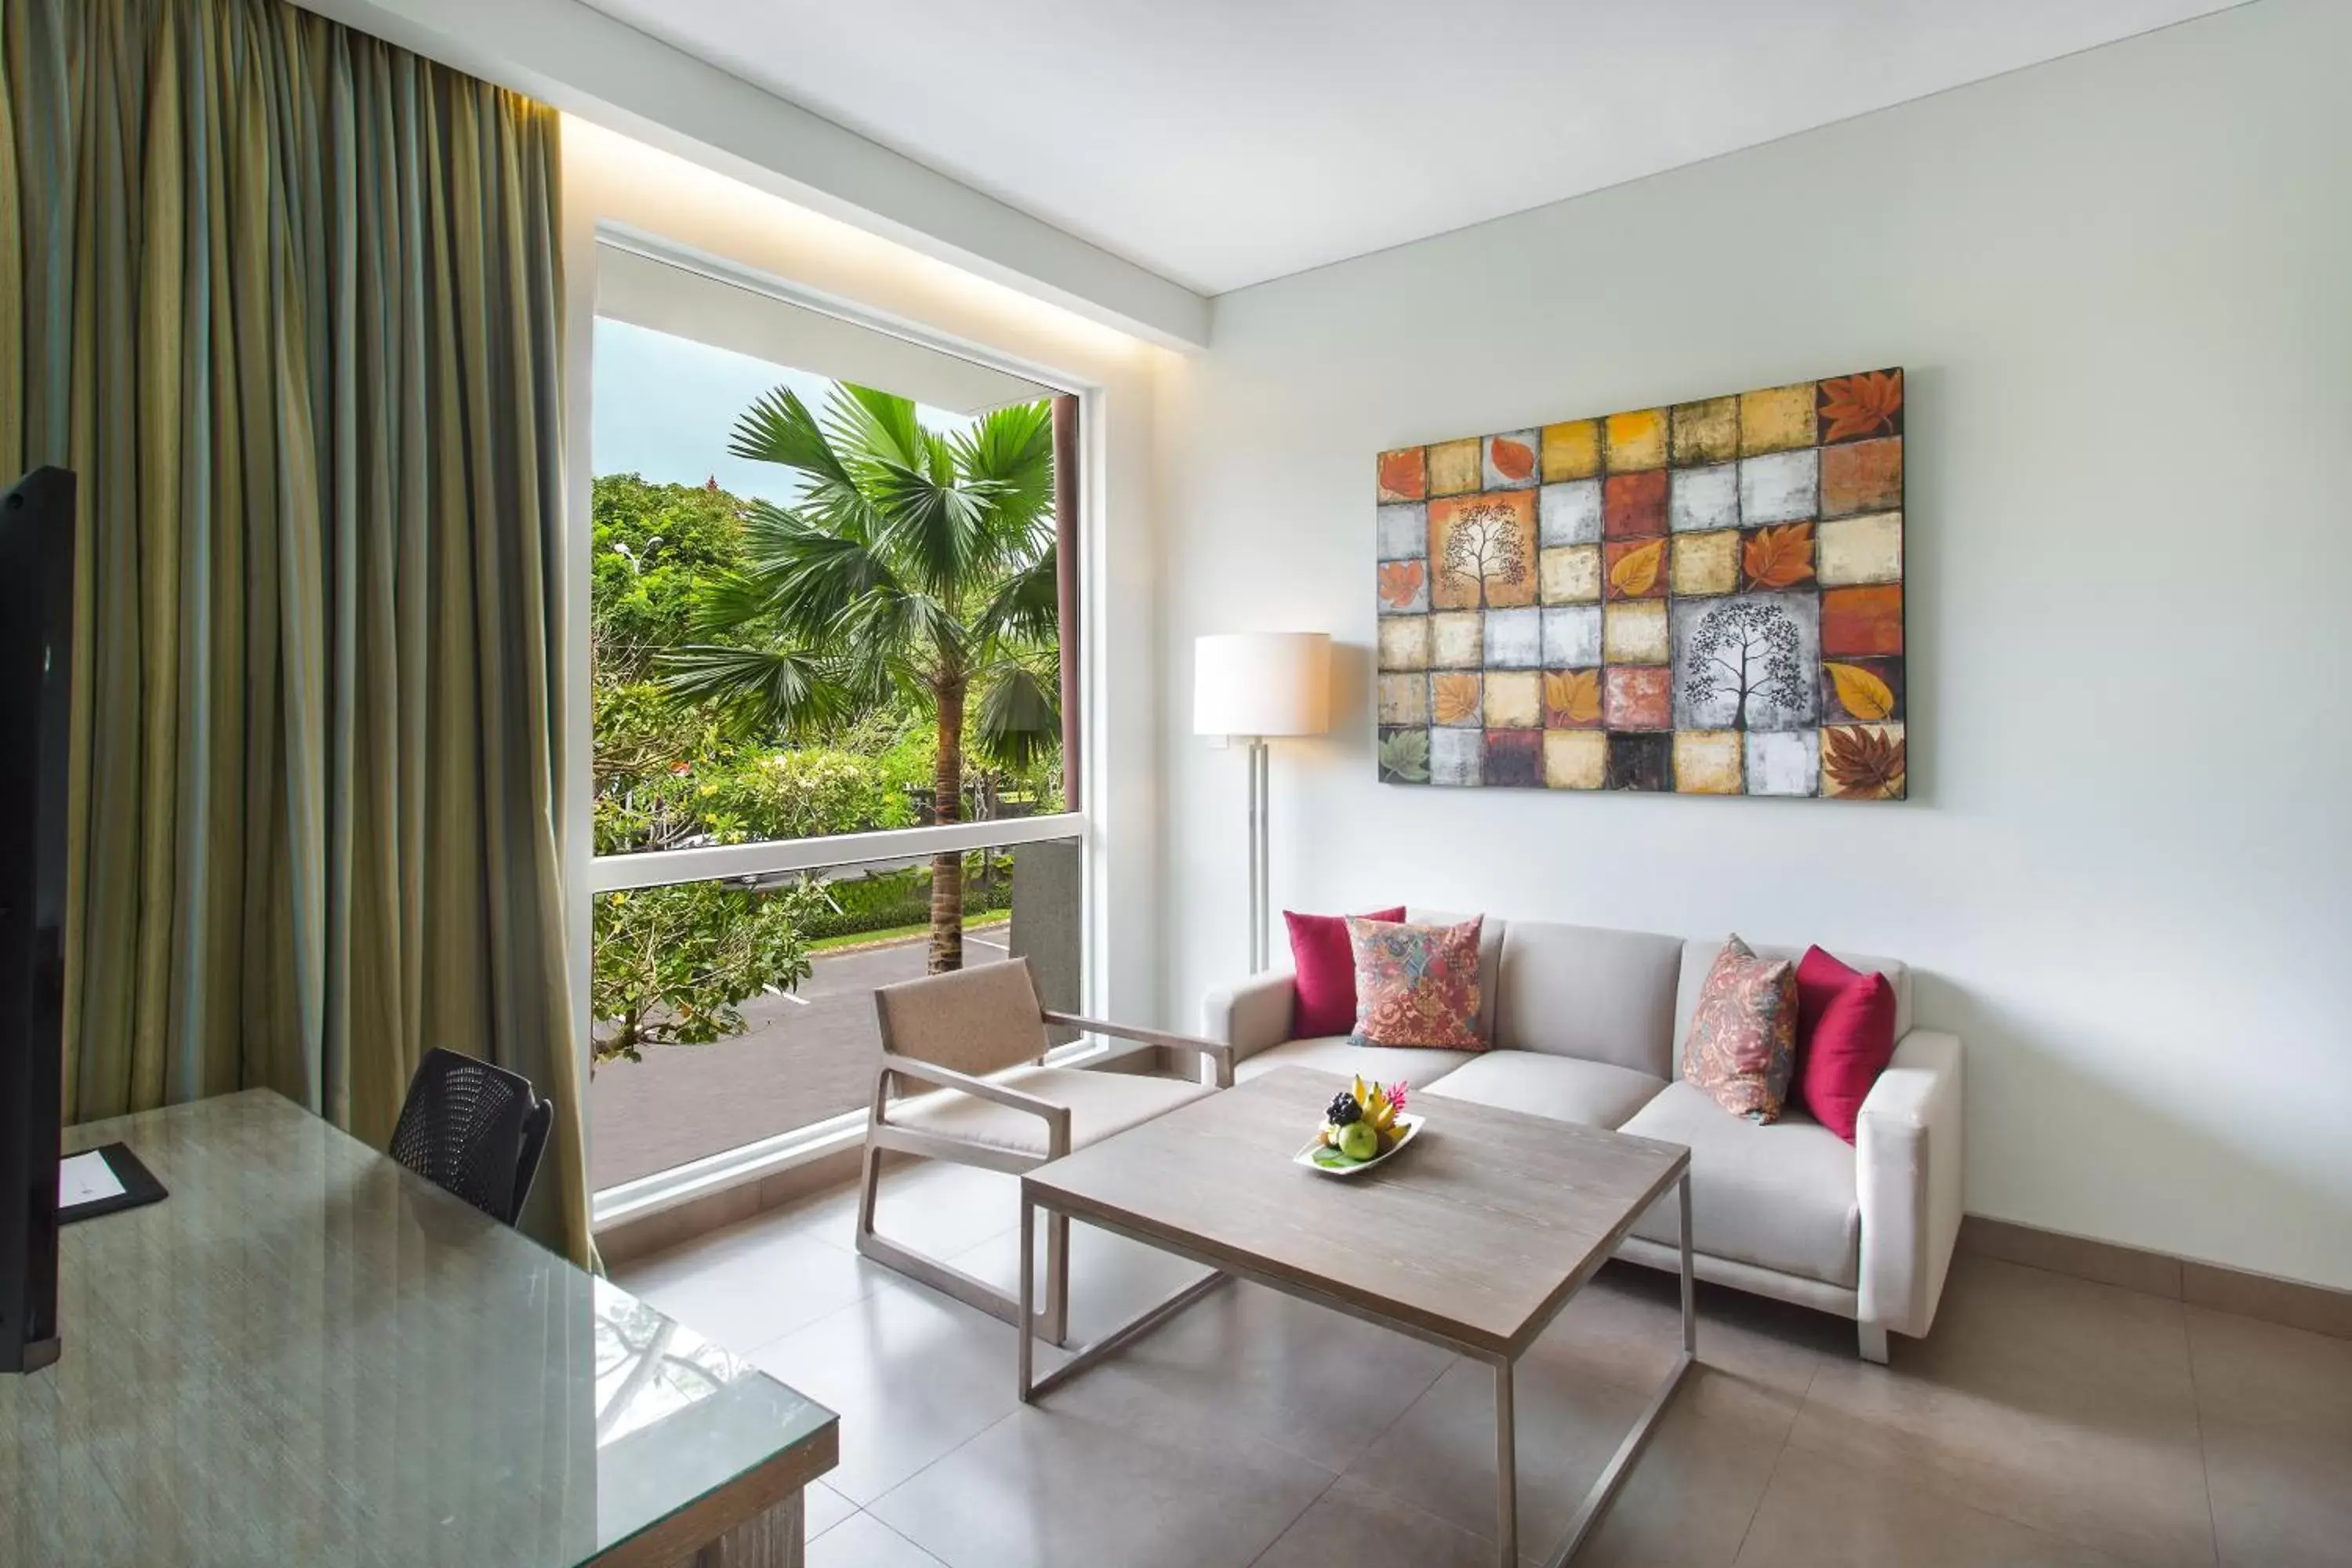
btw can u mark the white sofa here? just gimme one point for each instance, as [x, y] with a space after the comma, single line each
[1587, 1025]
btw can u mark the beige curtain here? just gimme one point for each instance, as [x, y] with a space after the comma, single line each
[289, 301]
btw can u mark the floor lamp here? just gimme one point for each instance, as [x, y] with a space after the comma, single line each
[1257, 686]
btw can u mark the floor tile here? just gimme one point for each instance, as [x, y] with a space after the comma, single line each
[821, 1508]
[1578, 1391]
[934, 1207]
[1251, 1361]
[1353, 1526]
[2274, 1406]
[751, 1283]
[1112, 1279]
[863, 1541]
[911, 1374]
[2051, 1401]
[1819, 1514]
[1053, 1487]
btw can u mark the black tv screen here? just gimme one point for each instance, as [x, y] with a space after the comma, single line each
[36, 596]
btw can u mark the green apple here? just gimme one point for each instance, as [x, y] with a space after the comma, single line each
[1357, 1141]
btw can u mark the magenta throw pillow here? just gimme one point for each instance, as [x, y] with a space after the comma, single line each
[1845, 1036]
[1325, 966]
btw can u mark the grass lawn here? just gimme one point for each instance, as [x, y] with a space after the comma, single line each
[860, 939]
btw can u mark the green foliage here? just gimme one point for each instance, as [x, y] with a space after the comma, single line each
[916, 567]
[674, 965]
[889, 900]
[766, 673]
[653, 547]
[1404, 756]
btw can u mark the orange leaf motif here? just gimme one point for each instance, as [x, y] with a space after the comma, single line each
[1401, 474]
[1636, 572]
[1777, 557]
[1400, 582]
[1861, 405]
[1455, 699]
[1514, 460]
[1571, 697]
[1863, 764]
[1862, 693]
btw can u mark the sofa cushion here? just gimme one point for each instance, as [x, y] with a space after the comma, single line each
[1417, 1067]
[1100, 1103]
[1490, 954]
[1782, 1197]
[1563, 1087]
[1582, 990]
[1698, 957]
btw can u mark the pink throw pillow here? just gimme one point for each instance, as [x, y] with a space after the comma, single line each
[1325, 966]
[1416, 986]
[1742, 1045]
[1845, 1036]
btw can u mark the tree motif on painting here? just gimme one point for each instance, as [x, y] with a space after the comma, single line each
[1748, 649]
[1485, 547]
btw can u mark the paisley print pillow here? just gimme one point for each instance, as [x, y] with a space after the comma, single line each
[1416, 986]
[1742, 1044]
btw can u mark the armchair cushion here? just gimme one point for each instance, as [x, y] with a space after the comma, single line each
[1332, 1053]
[1781, 1196]
[1100, 1103]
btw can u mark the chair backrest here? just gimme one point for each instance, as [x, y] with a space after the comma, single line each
[980, 1020]
[473, 1129]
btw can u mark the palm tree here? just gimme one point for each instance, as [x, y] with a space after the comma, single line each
[916, 565]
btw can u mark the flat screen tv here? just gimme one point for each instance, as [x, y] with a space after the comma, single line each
[37, 593]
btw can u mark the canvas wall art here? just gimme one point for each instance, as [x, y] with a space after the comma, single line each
[1705, 599]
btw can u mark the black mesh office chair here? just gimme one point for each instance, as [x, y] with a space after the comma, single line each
[473, 1129]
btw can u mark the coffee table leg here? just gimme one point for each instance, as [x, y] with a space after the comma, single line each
[1027, 1323]
[1507, 1469]
[1690, 1275]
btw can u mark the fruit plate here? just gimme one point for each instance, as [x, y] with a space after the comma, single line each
[1408, 1126]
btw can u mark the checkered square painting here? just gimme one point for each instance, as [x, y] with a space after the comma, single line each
[1705, 599]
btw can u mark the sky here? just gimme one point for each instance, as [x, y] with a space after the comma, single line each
[666, 408]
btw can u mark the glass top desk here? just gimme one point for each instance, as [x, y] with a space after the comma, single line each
[306, 1354]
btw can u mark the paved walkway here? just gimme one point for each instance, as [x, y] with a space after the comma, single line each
[806, 1055]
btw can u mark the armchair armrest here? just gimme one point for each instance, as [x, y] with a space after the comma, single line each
[1251, 1014]
[1213, 1054]
[1056, 1117]
[1907, 1167]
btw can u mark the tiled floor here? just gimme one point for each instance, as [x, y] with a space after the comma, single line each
[2047, 1420]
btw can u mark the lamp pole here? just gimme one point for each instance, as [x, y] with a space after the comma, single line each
[1261, 872]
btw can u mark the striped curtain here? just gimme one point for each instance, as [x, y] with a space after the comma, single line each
[287, 300]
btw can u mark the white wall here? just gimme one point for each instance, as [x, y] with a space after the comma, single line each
[611, 180]
[2122, 283]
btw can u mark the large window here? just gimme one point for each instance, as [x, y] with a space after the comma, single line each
[833, 722]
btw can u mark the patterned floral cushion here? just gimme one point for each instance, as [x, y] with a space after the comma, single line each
[1416, 986]
[1742, 1045]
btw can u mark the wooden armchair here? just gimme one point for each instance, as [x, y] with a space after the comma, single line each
[968, 1035]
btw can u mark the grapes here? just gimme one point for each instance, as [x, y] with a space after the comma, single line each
[1343, 1110]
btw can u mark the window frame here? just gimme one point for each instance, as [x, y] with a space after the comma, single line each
[588, 875]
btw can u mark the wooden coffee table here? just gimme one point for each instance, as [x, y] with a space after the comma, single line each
[1473, 1239]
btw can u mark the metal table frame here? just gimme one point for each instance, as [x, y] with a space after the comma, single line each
[1597, 1497]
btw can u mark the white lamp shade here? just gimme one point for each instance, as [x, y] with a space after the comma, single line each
[1262, 683]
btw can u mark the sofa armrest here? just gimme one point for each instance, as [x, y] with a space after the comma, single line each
[1907, 1152]
[1250, 1014]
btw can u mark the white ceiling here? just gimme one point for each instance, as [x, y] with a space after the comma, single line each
[1223, 142]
